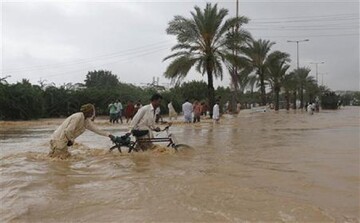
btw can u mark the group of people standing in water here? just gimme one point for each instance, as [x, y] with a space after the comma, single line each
[143, 119]
[117, 111]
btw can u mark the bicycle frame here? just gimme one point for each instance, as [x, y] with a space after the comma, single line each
[120, 141]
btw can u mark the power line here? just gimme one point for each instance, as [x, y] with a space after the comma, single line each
[88, 60]
[324, 35]
[306, 20]
[297, 17]
[117, 61]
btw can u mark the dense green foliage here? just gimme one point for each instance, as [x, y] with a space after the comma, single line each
[23, 101]
[329, 100]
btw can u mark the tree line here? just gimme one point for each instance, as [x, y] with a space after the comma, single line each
[24, 101]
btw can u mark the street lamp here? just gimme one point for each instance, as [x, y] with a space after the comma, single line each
[316, 64]
[322, 78]
[297, 47]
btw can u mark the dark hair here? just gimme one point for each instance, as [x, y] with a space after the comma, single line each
[155, 97]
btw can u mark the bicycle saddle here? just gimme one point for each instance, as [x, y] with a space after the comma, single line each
[139, 133]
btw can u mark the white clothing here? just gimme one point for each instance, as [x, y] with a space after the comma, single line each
[157, 111]
[118, 106]
[144, 119]
[172, 112]
[187, 108]
[310, 109]
[171, 108]
[73, 127]
[216, 112]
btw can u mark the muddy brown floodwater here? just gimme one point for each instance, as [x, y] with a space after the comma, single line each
[283, 167]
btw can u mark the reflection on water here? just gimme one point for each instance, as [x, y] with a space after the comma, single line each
[254, 167]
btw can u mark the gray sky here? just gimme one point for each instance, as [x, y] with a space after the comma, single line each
[60, 41]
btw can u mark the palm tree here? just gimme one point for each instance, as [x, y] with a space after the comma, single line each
[256, 54]
[237, 39]
[302, 74]
[311, 88]
[252, 83]
[290, 84]
[277, 66]
[202, 42]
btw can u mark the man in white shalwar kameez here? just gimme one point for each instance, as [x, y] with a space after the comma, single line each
[172, 112]
[144, 121]
[216, 112]
[71, 128]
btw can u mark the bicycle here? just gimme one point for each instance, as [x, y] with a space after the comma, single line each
[125, 140]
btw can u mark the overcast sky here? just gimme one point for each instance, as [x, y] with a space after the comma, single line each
[61, 41]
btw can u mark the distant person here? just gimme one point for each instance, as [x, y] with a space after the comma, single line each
[119, 109]
[310, 109]
[158, 115]
[65, 135]
[204, 108]
[172, 112]
[197, 111]
[238, 107]
[187, 110]
[143, 123]
[137, 106]
[227, 107]
[216, 112]
[112, 112]
[129, 111]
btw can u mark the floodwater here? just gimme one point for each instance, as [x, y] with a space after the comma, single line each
[259, 167]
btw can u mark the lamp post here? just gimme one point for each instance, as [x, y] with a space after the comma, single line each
[322, 78]
[297, 48]
[234, 78]
[316, 65]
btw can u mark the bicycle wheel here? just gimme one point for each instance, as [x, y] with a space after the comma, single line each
[180, 147]
[132, 147]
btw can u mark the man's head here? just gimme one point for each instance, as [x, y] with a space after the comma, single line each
[88, 110]
[156, 100]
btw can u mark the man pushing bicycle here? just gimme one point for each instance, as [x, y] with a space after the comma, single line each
[143, 123]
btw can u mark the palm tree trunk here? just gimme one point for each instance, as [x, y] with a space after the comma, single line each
[287, 98]
[211, 92]
[277, 91]
[235, 91]
[294, 100]
[262, 89]
[301, 97]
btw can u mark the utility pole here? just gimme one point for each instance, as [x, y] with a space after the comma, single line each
[322, 78]
[234, 68]
[297, 48]
[317, 73]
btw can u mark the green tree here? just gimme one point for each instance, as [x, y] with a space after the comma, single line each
[101, 78]
[203, 43]
[302, 75]
[277, 66]
[290, 85]
[256, 54]
[21, 101]
[311, 89]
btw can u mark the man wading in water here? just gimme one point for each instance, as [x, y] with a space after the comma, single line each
[71, 128]
[143, 122]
